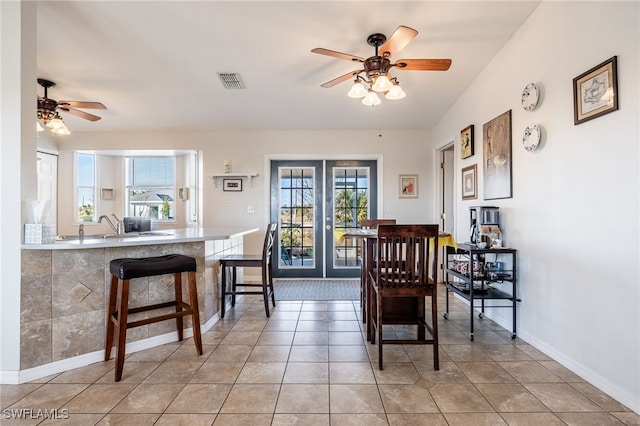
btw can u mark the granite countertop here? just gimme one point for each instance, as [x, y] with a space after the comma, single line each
[165, 236]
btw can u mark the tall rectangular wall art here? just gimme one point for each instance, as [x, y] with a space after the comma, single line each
[496, 153]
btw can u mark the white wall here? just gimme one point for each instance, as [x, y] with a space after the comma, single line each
[574, 212]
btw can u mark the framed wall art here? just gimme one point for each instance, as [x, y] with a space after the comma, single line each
[466, 142]
[232, 185]
[408, 186]
[470, 182]
[496, 153]
[595, 92]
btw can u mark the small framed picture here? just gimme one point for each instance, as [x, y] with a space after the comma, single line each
[408, 186]
[595, 92]
[470, 182]
[232, 185]
[466, 142]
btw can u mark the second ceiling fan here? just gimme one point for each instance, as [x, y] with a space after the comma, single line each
[375, 71]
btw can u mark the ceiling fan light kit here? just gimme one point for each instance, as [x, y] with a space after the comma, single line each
[357, 90]
[55, 123]
[371, 99]
[395, 93]
[381, 84]
[375, 69]
[57, 126]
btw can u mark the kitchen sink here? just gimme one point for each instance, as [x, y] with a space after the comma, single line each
[107, 236]
[152, 234]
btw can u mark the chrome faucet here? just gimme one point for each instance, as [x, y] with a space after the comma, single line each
[117, 228]
[81, 231]
[119, 225]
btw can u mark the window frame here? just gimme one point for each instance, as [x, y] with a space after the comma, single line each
[76, 203]
[171, 190]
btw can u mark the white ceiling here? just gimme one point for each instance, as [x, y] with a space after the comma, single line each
[154, 64]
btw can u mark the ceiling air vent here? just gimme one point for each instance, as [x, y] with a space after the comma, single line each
[231, 80]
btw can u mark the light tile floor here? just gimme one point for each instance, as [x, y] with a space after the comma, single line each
[309, 365]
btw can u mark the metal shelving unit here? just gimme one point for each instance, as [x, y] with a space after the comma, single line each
[470, 274]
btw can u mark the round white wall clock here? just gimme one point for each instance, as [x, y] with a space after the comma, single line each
[530, 96]
[531, 137]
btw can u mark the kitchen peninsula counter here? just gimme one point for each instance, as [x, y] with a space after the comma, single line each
[64, 287]
[165, 236]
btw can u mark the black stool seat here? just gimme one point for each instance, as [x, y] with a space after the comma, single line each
[129, 268]
[248, 260]
[125, 269]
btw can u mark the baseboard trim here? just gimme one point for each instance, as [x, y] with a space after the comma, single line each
[629, 400]
[30, 374]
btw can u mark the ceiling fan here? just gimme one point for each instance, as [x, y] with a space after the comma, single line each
[48, 109]
[375, 70]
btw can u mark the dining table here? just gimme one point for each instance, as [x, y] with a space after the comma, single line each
[368, 238]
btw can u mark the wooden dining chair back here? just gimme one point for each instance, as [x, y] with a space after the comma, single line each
[369, 224]
[262, 261]
[401, 281]
[373, 223]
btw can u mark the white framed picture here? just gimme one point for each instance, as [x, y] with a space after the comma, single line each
[408, 186]
[470, 182]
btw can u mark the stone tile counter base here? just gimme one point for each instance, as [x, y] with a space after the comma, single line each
[64, 301]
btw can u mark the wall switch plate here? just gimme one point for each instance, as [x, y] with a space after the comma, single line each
[251, 209]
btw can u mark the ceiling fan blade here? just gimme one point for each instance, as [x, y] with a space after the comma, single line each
[423, 64]
[338, 55]
[82, 104]
[342, 78]
[398, 40]
[78, 113]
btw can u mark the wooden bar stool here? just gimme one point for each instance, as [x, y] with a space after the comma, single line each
[125, 269]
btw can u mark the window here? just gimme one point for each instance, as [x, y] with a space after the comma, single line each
[85, 187]
[151, 189]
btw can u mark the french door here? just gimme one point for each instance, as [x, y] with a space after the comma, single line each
[314, 201]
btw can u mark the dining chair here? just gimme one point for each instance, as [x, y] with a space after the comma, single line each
[373, 223]
[369, 224]
[262, 261]
[401, 281]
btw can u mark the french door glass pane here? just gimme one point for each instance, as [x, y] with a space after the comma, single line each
[297, 217]
[351, 186]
